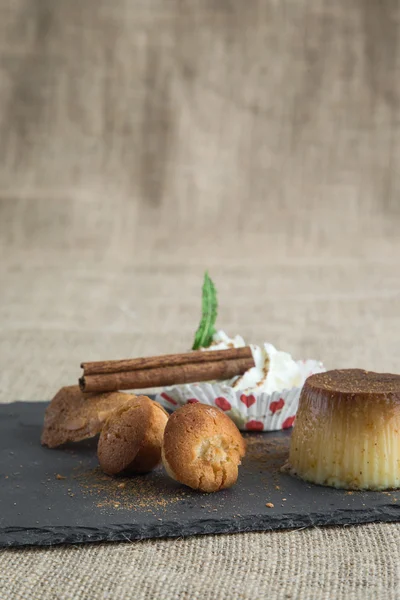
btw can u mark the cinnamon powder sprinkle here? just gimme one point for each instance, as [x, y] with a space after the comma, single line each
[145, 492]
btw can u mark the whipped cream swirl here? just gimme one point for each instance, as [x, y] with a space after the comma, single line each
[274, 371]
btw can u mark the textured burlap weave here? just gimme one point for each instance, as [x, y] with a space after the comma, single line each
[144, 140]
[332, 563]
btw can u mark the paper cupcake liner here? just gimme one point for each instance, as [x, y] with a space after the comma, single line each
[255, 411]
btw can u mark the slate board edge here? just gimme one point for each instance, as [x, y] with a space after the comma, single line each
[52, 536]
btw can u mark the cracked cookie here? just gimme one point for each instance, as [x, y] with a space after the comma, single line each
[202, 448]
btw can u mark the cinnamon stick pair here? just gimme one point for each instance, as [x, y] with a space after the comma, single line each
[160, 371]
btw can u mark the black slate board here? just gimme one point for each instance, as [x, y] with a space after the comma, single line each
[37, 508]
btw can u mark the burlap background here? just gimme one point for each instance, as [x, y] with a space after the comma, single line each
[142, 141]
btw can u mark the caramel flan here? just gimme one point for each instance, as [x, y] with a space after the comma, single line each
[347, 431]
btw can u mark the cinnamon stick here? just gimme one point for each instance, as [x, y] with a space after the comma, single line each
[165, 375]
[167, 360]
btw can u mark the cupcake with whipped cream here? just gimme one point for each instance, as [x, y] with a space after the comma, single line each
[264, 398]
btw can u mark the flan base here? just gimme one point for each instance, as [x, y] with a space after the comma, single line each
[347, 432]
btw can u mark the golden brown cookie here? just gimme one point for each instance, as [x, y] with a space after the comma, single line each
[131, 439]
[73, 416]
[202, 448]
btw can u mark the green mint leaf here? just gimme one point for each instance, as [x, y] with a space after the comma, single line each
[206, 329]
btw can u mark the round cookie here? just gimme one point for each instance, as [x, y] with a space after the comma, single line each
[131, 439]
[202, 448]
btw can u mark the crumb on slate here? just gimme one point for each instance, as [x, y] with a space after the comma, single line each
[58, 476]
[134, 493]
[269, 505]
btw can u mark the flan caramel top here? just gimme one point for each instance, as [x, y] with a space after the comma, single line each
[354, 382]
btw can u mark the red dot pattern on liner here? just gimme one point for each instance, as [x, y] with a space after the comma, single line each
[255, 425]
[169, 399]
[287, 423]
[248, 400]
[277, 405]
[192, 401]
[223, 403]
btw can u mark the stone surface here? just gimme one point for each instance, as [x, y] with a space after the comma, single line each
[60, 496]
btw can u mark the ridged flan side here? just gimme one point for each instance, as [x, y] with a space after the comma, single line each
[347, 432]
